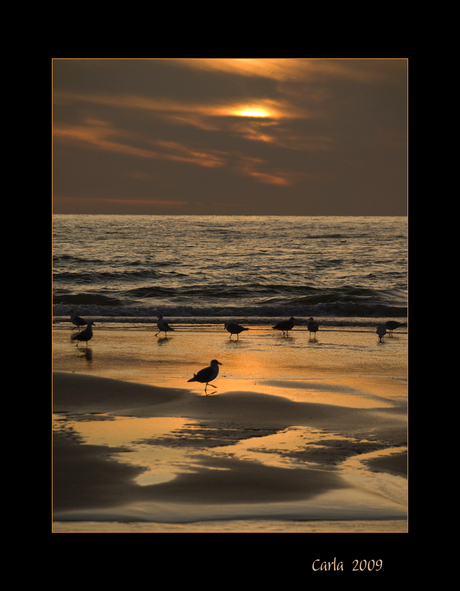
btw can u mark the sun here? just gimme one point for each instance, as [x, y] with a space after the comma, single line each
[253, 112]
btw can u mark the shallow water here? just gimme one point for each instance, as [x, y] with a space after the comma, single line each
[167, 447]
[260, 356]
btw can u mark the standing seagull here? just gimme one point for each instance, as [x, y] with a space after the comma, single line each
[393, 325]
[234, 328]
[381, 331]
[163, 326]
[312, 326]
[77, 320]
[206, 375]
[285, 325]
[85, 335]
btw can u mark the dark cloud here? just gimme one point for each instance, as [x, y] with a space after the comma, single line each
[297, 137]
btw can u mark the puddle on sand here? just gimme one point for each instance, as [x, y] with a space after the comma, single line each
[138, 437]
[289, 448]
[386, 484]
[167, 446]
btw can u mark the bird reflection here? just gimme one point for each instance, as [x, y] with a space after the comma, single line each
[86, 353]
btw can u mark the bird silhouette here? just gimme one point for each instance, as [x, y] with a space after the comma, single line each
[381, 331]
[206, 375]
[285, 325]
[85, 335]
[234, 328]
[312, 326]
[77, 320]
[393, 325]
[163, 326]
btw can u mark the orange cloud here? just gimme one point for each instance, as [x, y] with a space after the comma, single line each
[182, 153]
[249, 167]
[201, 114]
[98, 134]
[281, 69]
[293, 69]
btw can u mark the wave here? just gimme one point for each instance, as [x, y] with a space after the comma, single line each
[110, 307]
[87, 301]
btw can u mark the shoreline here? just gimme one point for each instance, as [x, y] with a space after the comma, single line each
[299, 435]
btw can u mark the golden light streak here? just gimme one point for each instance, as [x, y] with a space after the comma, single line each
[251, 167]
[99, 134]
[280, 69]
[188, 110]
[293, 69]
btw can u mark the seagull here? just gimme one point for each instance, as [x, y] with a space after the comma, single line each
[285, 325]
[381, 331]
[85, 335]
[234, 328]
[77, 320]
[206, 375]
[392, 325]
[163, 326]
[312, 325]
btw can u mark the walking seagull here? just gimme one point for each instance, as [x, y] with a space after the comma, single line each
[393, 325]
[234, 328]
[312, 326]
[163, 326]
[77, 320]
[285, 325]
[381, 331]
[206, 375]
[85, 335]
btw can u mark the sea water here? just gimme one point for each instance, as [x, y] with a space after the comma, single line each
[200, 269]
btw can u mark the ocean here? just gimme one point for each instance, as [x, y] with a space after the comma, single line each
[344, 271]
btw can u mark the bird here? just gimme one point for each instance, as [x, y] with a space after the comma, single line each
[234, 328]
[77, 320]
[393, 325]
[312, 325]
[285, 325]
[163, 326]
[206, 375]
[85, 335]
[381, 331]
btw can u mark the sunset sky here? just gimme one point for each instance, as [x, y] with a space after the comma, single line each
[230, 136]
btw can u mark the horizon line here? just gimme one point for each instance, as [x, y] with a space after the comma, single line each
[336, 215]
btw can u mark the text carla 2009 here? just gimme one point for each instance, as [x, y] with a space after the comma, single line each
[357, 565]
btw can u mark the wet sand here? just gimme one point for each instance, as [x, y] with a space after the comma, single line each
[299, 435]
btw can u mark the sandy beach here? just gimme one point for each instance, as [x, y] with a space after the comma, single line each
[298, 435]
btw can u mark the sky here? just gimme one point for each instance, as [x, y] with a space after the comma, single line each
[225, 136]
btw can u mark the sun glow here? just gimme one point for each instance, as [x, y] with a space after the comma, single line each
[253, 112]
